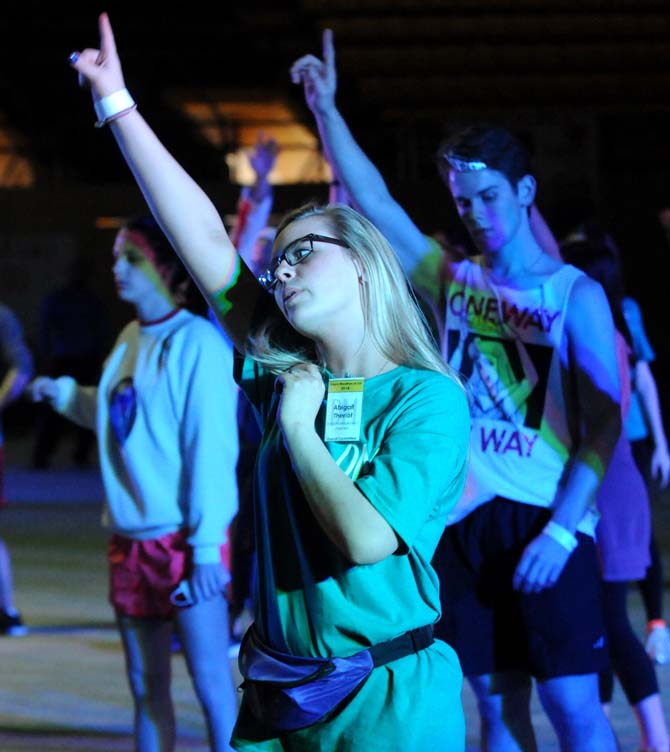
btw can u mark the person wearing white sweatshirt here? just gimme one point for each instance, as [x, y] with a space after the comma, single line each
[165, 417]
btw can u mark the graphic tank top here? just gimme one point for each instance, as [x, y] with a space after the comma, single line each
[510, 346]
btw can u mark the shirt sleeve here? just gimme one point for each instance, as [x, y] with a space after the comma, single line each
[427, 276]
[78, 403]
[420, 468]
[209, 438]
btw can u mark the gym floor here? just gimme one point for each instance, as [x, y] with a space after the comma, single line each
[63, 685]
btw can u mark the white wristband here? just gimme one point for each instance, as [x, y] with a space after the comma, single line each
[561, 535]
[113, 104]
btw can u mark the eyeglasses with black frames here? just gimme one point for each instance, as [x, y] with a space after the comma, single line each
[294, 253]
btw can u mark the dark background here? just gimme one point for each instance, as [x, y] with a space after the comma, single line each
[584, 82]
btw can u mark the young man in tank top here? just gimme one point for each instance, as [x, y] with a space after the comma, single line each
[534, 339]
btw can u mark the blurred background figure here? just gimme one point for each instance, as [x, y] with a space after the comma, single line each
[16, 366]
[164, 411]
[624, 530]
[73, 338]
[645, 430]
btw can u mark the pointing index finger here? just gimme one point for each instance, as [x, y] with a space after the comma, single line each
[328, 49]
[107, 43]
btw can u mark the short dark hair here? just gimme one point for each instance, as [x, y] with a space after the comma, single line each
[497, 147]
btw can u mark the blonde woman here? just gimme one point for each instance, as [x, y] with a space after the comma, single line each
[364, 448]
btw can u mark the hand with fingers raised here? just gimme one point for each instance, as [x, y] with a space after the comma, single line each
[264, 155]
[100, 70]
[319, 77]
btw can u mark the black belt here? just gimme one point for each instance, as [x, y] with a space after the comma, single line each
[405, 644]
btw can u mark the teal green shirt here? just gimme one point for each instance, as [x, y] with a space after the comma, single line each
[410, 464]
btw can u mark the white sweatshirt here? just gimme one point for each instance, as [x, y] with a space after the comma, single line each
[170, 464]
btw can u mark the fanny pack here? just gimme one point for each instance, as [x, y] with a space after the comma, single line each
[290, 692]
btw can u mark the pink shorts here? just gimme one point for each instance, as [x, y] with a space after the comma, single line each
[143, 573]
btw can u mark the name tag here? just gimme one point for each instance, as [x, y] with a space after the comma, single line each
[344, 410]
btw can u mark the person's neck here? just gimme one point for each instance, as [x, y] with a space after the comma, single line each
[363, 360]
[154, 308]
[519, 260]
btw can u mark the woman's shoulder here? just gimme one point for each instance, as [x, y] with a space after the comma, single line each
[420, 375]
[427, 401]
[429, 382]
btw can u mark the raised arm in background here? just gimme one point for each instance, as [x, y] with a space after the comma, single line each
[357, 175]
[360, 178]
[255, 204]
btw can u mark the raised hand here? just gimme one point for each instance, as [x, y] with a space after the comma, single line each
[264, 155]
[100, 69]
[319, 77]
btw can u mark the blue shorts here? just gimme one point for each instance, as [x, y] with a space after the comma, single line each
[492, 627]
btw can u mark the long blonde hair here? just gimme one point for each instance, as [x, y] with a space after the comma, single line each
[394, 321]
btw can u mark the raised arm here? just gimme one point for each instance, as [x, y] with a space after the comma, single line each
[362, 181]
[337, 193]
[184, 212]
[255, 204]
